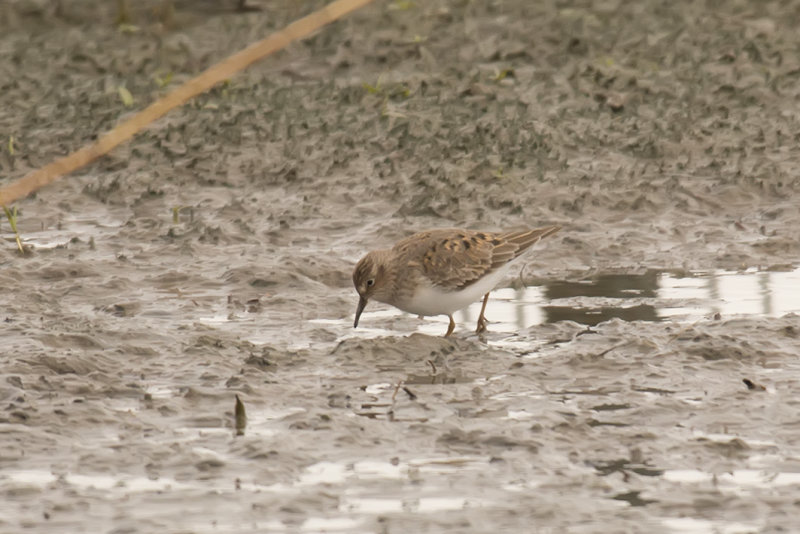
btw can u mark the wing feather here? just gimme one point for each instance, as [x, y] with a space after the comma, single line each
[453, 259]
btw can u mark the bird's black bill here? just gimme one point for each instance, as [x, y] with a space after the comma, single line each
[362, 303]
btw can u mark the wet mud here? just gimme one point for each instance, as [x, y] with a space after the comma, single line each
[640, 371]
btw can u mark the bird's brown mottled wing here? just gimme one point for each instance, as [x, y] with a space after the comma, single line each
[454, 259]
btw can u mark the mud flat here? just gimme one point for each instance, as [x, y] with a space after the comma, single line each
[640, 374]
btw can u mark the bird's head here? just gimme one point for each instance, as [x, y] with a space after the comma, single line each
[372, 279]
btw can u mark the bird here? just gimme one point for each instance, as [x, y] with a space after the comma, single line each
[440, 271]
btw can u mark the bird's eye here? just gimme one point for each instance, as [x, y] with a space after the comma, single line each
[370, 282]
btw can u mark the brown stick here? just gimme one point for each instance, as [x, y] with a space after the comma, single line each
[223, 70]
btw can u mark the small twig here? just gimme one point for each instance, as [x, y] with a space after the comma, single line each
[612, 348]
[587, 330]
[240, 416]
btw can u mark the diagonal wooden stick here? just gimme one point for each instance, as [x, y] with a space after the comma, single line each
[223, 70]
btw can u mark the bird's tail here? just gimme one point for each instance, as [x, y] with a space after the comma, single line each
[525, 239]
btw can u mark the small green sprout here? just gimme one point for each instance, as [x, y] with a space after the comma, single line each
[125, 96]
[373, 89]
[127, 28]
[402, 5]
[11, 215]
[503, 74]
[163, 82]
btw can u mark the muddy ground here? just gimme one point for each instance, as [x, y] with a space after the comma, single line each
[212, 255]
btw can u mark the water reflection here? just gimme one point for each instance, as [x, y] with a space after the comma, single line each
[652, 296]
[606, 285]
[593, 316]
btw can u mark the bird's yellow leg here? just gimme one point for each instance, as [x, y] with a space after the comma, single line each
[481, 319]
[451, 327]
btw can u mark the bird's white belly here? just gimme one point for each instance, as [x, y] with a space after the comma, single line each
[430, 300]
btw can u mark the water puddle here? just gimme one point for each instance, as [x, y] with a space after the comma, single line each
[689, 525]
[365, 470]
[740, 481]
[651, 296]
[400, 501]
[326, 524]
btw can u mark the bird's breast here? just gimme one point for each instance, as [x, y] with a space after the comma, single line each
[429, 299]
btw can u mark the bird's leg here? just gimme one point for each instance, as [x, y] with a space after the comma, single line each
[481, 319]
[451, 327]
